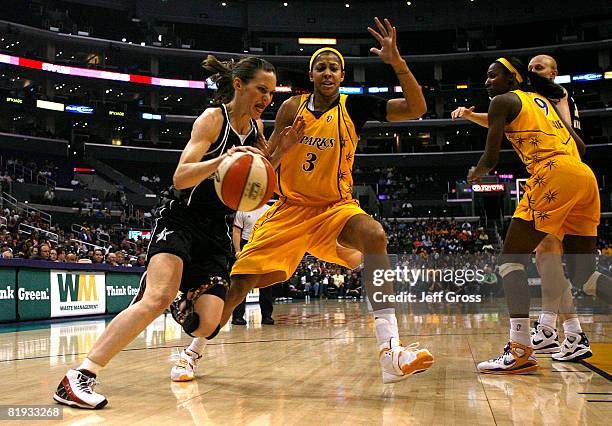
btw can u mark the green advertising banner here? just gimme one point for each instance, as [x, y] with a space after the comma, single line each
[120, 290]
[34, 294]
[8, 294]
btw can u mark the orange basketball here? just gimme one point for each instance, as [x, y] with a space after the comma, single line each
[245, 181]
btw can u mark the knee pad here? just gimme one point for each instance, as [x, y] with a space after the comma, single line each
[183, 307]
[182, 310]
[214, 333]
[590, 286]
[506, 268]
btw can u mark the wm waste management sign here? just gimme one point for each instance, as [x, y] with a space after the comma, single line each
[77, 293]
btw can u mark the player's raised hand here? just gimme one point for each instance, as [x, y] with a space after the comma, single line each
[462, 112]
[387, 37]
[290, 136]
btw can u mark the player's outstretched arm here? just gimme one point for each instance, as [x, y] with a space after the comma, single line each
[480, 118]
[413, 104]
[501, 108]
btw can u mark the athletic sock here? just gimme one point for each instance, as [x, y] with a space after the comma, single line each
[548, 319]
[90, 366]
[197, 345]
[519, 331]
[385, 325]
[572, 325]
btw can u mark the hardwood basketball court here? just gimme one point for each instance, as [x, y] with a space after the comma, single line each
[317, 365]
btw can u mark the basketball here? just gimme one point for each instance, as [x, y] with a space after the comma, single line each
[245, 181]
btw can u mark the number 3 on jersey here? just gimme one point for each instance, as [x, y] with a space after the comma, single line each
[309, 165]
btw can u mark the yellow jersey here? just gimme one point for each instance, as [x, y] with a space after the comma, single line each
[318, 170]
[537, 133]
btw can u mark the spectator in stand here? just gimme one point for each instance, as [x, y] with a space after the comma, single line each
[53, 255]
[7, 254]
[142, 260]
[45, 252]
[98, 256]
[71, 258]
[353, 288]
[338, 282]
[32, 251]
[49, 196]
[120, 255]
[111, 259]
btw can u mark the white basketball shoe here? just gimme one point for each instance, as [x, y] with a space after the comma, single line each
[398, 362]
[76, 390]
[574, 348]
[184, 367]
[516, 359]
[544, 339]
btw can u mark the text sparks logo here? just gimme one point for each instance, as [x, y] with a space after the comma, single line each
[78, 287]
[77, 293]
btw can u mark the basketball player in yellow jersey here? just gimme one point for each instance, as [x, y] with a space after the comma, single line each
[562, 198]
[316, 212]
[556, 290]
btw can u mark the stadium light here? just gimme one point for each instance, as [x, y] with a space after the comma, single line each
[316, 40]
[563, 79]
[53, 106]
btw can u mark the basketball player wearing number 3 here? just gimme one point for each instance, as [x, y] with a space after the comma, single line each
[190, 247]
[316, 212]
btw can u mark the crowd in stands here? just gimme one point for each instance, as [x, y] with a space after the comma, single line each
[426, 245]
[396, 183]
[18, 170]
[27, 236]
[435, 236]
[319, 279]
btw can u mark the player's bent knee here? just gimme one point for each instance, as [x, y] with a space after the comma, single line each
[509, 267]
[549, 245]
[374, 236]
[242, 284]
[158, 301]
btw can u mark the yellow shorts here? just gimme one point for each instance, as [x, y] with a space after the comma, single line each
[282, 236]
[561, 197]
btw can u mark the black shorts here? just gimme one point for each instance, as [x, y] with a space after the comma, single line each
[203, 243]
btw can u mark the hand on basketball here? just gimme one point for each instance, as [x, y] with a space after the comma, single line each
[292, 135]
[386, 36]
[236, 149]
[462, 112]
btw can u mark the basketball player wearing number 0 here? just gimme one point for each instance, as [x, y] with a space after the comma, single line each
[316, 212]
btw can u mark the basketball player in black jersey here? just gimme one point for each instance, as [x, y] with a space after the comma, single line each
[190, 245]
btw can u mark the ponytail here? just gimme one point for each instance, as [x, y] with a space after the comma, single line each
[224, 72]
[221, 75]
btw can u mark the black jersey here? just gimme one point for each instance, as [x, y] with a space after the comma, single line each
[574, 115]
[202, 198]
